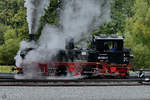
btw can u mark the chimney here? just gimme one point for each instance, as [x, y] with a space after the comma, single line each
[31, 37]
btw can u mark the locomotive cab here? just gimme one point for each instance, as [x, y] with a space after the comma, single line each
[110, 49]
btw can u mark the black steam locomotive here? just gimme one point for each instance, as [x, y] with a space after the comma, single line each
[106, 56]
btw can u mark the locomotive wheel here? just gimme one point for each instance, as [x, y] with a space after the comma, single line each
[125, 77]
[88, 71]
[61, 71]
[19, 72]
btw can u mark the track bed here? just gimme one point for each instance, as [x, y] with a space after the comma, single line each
[81, 82]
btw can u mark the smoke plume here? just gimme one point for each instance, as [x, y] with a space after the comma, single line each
[35, 9]
[80, 17]
[77, 20]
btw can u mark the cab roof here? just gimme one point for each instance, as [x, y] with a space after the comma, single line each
[110, 37]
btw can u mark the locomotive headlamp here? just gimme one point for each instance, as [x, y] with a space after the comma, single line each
[124, 54]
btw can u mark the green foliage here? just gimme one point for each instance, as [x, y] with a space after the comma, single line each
[51, 16]
[8, 8]
[10, 47]
[138, 33]
[2, 31]
[7, 69]
[8, 51]
[19, 18]
[119, 11]
[13, 28]
[142, 55]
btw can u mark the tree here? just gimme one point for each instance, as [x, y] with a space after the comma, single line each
[8, 51]
[3, 28]
[119, 11]
[51, 16]
[13, 29]
[138, 33]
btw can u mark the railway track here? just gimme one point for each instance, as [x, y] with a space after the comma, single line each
[81, 82]
[8, 80]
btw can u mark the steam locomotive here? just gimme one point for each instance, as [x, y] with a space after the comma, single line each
[105, 57]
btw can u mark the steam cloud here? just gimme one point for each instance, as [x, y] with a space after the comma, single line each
[35, 9]
[77, 20]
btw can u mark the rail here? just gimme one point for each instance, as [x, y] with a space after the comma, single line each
[82, 82]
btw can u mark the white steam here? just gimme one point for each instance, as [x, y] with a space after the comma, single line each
[81, 16]
[35, 9]
[23, 45]
[77, 20]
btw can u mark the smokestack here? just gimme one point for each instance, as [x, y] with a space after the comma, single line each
[31, 37]
[70, 44]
